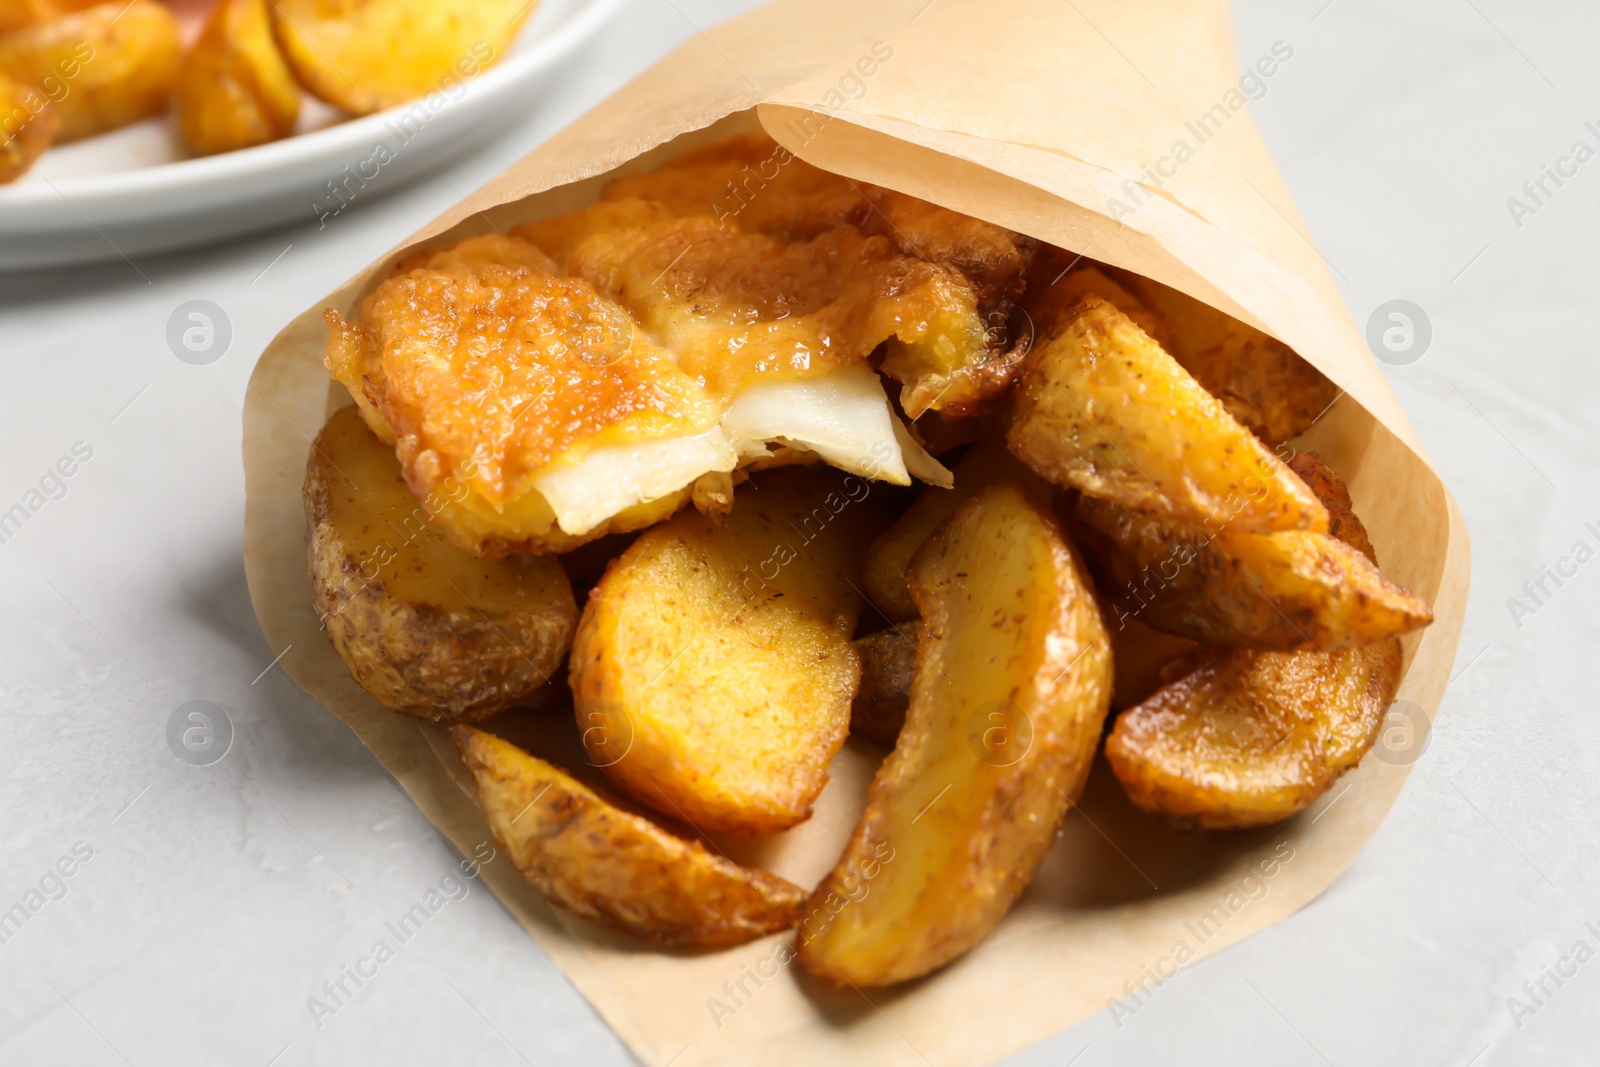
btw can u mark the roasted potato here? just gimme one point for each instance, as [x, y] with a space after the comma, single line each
[103, 67]
[1244, 738]
[883, 568]
[1058, 281]
[1012, 685]
[28, 123]
[234, 88]
[1262, 382]
[612, 866]
[15, 14]
[424, 627]
[1286, 591]
[712, 671]
[1102, 409]
[366, 55]
[888, 663]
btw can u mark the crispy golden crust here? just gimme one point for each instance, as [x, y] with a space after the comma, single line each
[118, 60]
[712, 670]
[367, 56]
[424, 627]
[1286, 591]
[1262, 382]
[613, 867]
[1243, 737]
[1059, 280]
[31, 125]
[1102, 409]
[888, 662]
[234, 88]
[1012, 685]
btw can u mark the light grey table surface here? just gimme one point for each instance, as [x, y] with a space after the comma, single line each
[214, 901]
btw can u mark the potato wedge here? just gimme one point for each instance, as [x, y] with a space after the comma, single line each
[15, 14]
[1247, 738]
[1244, 738]
[1285, 591]
[103, 67]
[712, 671]
[883, 568]
[1262, 382]
[1012, 686]
[366, 55]
[234, 88]
[28, 123]
[888, 663]
[1102, 409]
[612, 866]
[1058, 280]
[424, 627]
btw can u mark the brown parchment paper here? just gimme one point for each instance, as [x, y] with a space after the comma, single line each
[1059, 120]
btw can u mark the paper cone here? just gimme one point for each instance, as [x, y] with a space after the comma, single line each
[1062, 122]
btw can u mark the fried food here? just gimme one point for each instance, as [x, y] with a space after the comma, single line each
[612, 866]
[566, 420]
[1102, 409]
[1262, 382]
[883, 568]
[424, 627]
[364, 57]
[1002, 728]
[712, 670]
[1287, 591]
[1144, 659]
[888, 663]
[234, 88]
[1059, 280]
[15, 14]
[28, 122]
[102, 68]
[1244, 738]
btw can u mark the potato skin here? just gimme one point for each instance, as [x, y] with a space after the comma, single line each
[28, 123]
[1262, 382]
[888, 663]
[1012, 687]
[234, 88]
[1245, 738]
[103, 68]
[612, 866]
[424, 627]
[1286, 591]
[1102, 409]
[712, 671]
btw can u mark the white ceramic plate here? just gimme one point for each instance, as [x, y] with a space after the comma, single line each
[135, 191]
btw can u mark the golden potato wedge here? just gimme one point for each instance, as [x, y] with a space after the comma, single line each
[103, 67]
[234, 88]
[1248, 738]
[1102, 409]
[610, 865]
[1244, 738]
[366, 55]
[883, 568]
[712, 671]
[1262, 382]
[888, 662]
[424, 627]
[1058, 280]
[1012, 685]
[28, 123]
[15, 14]
[1285, 591]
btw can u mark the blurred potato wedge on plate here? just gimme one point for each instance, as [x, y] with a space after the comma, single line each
[28, 123]
[712, 671]
[424, 627]
[15, 14]
[235, 89]
[1101, 408]
[102, 68]
[1003, 725]
[612, 866]
[367, 55]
